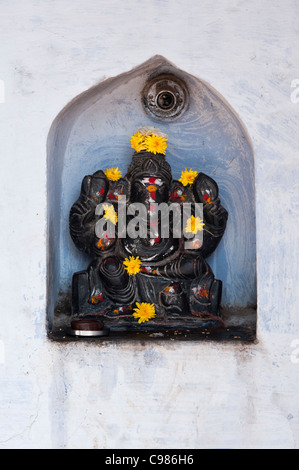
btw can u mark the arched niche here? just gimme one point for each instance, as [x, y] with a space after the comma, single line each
[93, 132]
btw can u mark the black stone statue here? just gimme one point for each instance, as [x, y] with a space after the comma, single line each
[150, 277]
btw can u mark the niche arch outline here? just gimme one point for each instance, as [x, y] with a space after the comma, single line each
[93, 132]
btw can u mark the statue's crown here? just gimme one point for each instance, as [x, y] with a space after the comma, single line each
[150, 145]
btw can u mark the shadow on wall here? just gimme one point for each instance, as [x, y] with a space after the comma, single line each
[93, 132]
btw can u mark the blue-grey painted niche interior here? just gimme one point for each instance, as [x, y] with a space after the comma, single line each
[93, 132]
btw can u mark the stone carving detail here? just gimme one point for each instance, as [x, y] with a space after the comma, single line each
[152, 278]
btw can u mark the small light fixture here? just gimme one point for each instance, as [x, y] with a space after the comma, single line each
[165, 97]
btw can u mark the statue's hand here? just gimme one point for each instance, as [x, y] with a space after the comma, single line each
[94, 188]
[82, 217]
[215, 214]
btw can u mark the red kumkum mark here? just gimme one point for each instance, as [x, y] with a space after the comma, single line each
[207, 198]
[174, 195]
[100, 192]
[97, 298]
[177, 197]
[203, 292]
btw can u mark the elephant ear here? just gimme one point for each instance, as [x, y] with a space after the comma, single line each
[205, 189]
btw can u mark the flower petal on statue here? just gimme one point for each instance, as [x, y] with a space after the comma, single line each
[194, 225]
[110, 213]
[188, 176]
[113, 174]
[156, 144]
[144, 312]
[137, 142]
[132, 265]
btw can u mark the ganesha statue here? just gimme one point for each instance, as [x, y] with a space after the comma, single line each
[148, 237]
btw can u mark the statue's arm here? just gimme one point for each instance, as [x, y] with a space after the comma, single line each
[215, 218]
[83, 218]
[214, 214]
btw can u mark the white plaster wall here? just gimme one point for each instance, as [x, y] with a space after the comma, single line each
[171, 395]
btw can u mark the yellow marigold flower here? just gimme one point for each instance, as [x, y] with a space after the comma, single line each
[156, 144]
[113, 174]
[188, 176]
[137, 142]
[194, 225]
[144, 312]
[132, 265]
[110, 213]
